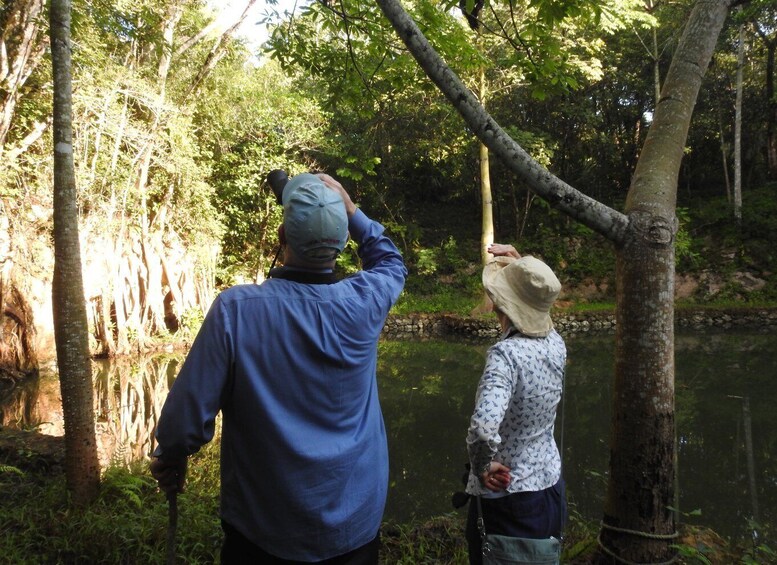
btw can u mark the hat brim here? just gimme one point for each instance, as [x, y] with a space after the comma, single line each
[494, 267]
[525, 318]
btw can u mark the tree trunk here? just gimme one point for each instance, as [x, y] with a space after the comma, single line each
[36, 132]
[152, 310]
[771, 116]
[487, 205]
[724, 158]
[70, 325]
[638, 527]
[656, 66]
[486, 199]
[770, 42]
[655, 55]
[18, 357]
[738, 127]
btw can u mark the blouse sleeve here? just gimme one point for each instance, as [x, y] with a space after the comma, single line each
[493, 397]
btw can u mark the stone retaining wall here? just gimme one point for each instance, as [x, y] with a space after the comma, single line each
[440, 325]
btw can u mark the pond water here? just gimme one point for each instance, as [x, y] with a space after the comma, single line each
[726, 388]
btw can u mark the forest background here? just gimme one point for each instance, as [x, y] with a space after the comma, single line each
[177, 123]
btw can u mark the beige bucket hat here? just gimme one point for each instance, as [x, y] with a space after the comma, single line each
[524, 290]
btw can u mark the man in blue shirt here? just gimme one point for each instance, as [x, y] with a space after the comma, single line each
[291, 365]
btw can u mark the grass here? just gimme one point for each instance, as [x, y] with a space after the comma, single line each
[727, 304]
[583, 307]
[466, 306]
[127, 524]
[128, 521]
[438, 540]
[443, 302]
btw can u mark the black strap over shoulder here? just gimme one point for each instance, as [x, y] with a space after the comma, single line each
[304, 277]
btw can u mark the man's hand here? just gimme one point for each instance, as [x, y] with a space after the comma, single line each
[500, 249]
[171, 475]
[496, 478]
[350, 207]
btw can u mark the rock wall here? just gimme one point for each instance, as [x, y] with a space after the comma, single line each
[433, 325]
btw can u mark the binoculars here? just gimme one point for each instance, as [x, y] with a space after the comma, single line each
[277, 179]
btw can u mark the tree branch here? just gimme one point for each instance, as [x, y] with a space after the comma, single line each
[602, 219]
[218, 51]
[34, 135]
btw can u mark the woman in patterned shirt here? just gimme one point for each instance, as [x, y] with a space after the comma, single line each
[515, 463]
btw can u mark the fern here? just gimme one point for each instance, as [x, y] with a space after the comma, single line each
[122, 484]
[11, 469]
[119, 456]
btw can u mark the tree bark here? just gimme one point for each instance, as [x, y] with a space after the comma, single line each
[487, 205]
[151, 309]
[771, 125]
[637, 526]
[655, 55]
[35, 133]
[486, 199]
[70, 322]
[770, 42]
[771, 104]
[738, 126]
[724, 158]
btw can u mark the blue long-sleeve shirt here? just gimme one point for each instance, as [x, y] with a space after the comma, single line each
[292, 367]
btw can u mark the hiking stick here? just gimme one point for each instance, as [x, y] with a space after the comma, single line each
[172, 525]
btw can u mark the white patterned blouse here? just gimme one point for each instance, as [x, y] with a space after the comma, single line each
[515, 409]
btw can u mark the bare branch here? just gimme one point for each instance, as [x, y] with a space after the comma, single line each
[34, 135]
[218, 50]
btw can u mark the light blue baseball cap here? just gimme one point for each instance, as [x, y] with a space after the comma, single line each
[314, 219]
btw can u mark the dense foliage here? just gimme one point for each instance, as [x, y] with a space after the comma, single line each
[171, 151]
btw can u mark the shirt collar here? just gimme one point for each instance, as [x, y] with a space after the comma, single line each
[302, 275]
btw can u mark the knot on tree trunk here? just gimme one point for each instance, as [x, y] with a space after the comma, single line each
[653, 229]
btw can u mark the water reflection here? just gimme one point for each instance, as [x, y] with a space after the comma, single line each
[128, 396]
[128, 399]
[727, 436]
[19, 402]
